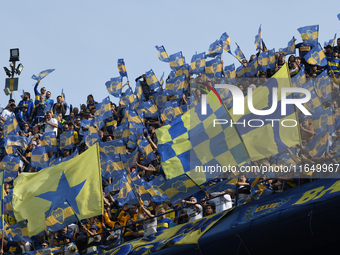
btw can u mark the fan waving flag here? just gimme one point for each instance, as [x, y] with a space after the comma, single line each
[162, 55]
[258, 39]
[114, 86]
[42, 74]
[197, 65]
[238, 53]
[59, 216]
[78, 180]
[309, 34]
[316, 56]
[152, 80]
[176, 60]
[122, 68]
[215, 49]
[225, 41]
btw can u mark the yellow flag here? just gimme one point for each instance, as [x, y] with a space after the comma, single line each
[77, 180]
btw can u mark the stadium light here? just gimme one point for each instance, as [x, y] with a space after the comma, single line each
[14, 55]
[19, 69]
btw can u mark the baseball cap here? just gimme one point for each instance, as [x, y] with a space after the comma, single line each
[94, 227]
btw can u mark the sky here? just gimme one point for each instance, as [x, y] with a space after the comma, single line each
[83, 39]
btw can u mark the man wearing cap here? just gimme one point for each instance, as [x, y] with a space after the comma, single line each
[93, 241]
[70, 248]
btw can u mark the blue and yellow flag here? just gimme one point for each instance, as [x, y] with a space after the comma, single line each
[226, 96]
[122, 131]
[139, 92]
[238, 53]
[18, 232]
[319, 144]
[338, 16]
[252, 68]
[191, 143]
[230, 73]
[50, 142]
[213, 68]
[277, 137]
[122, 68]
[176, 189]
[39, 157]
[225, 42]
[176, 60]
[160, 98]
[103, 112]
[77, 180]
[170, 111]
[17, 141]
[215, 49]
[176, 85]
[149, 108]
[240, 71]
[52, 161]
[309, 34]
[266, 60]
[91, 136]
[314, 105]
[130, 159]
[323, 121]
[146, 149]
[183, 70]
[316, 56]
[290, 49]
[114, 86]
[264, 47]
[11, 126]
[299, 78]
[197, 65]
[111, 164]
[162, 55]
[323, 87]
[126, 192]
[112, 147]
[258, 39]
[60, 216]
[66, 140]
[127, 97]
[152, 80]
[10, 165]
[331, 42]
[42, 74]
[114, 185]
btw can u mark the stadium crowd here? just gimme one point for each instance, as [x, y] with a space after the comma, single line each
[118, 223]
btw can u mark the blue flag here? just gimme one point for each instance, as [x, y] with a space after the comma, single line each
[114, 86]
[42, 74]
[197, 65]
[60, 216]
[122, 68]
[18, 232]
[162, 55]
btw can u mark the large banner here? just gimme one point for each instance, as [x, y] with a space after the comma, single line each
[188, 233]
[317, 191]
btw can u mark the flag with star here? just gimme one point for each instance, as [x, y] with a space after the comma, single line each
[77, 180]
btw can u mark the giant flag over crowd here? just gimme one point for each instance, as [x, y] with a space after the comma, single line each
[277, 137]
[77, 180]
[191, 143]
